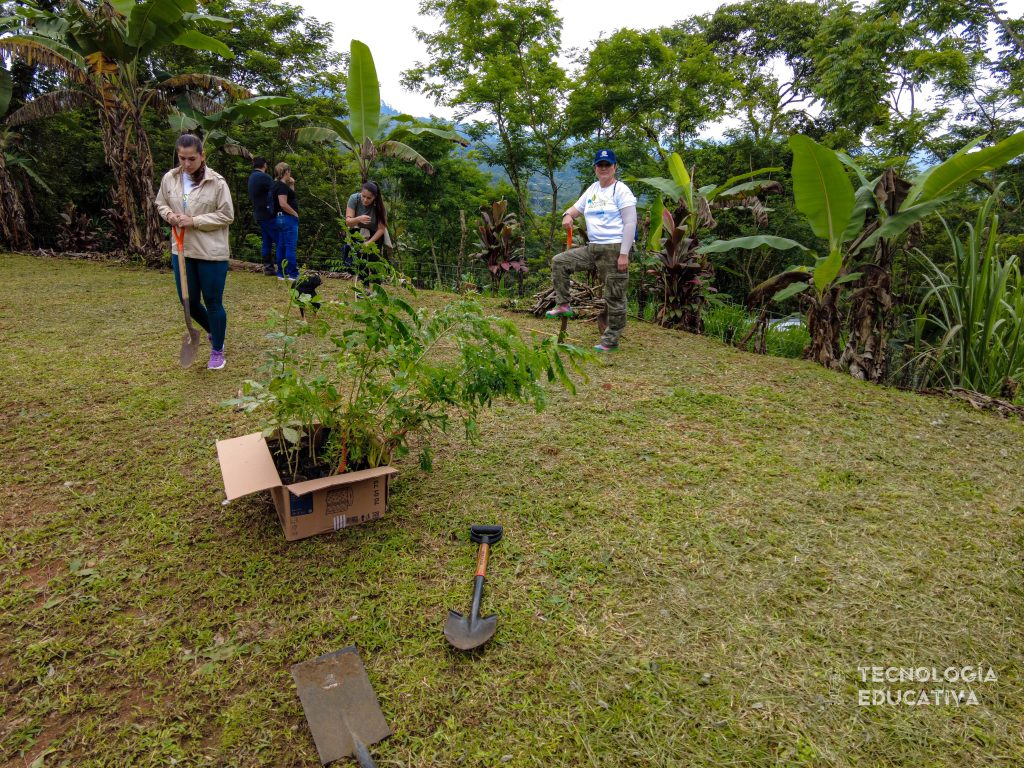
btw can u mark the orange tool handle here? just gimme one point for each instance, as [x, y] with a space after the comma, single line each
[568, 238]
[481, 560]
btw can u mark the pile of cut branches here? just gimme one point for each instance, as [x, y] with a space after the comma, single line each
[585, 302]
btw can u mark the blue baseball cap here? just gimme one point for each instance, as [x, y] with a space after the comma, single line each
[605, 156]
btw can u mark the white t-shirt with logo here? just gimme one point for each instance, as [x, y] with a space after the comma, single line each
[601, 208]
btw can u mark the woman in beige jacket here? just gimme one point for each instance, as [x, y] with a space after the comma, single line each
[195, 200]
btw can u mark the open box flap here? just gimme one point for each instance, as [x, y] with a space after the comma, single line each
[308, 486]
[246, 466]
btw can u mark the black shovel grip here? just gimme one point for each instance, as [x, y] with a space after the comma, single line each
[486, 534]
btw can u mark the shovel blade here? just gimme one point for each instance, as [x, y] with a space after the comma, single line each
[339, 703]
[189, 347]
[466, 634]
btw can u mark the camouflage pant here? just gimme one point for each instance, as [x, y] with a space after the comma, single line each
[605, 257]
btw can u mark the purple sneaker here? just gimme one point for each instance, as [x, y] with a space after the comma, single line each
[602, 347]
[562, 310]
[217, 360]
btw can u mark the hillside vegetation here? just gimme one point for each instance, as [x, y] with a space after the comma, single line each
[701, 549]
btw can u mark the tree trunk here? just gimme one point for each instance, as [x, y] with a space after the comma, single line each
[823, 324]
[871, 307]
[870, 318]
[137, 223]
[13, 228]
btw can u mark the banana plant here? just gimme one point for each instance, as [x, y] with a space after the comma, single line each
[103, 51]
[860, 247]
[14, 230]
[210, 120]
[685, 273]
[367, 133]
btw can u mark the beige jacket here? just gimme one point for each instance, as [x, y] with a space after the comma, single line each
[211, 210]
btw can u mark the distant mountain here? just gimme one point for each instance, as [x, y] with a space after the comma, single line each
[540, 190]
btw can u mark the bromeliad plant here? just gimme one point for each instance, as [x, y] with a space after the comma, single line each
[377, 371]
[501, 238]
[682, 267]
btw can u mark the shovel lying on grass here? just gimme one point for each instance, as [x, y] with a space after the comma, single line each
[340, 706]
[189, 344]
[472, 632]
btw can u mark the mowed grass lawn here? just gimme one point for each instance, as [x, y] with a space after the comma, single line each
[702, 547]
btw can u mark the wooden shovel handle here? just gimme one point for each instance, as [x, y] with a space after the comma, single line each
[481, 560]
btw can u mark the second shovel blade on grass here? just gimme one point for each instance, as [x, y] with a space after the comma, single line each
[340, 706]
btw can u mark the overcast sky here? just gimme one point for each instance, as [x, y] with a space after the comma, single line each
[387, 27]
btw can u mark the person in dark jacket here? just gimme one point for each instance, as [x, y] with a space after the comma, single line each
[263, 212]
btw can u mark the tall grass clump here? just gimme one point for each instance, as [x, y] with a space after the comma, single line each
[731, 322]
[971, 320]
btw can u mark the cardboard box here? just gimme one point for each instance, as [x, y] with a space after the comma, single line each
[306, 508]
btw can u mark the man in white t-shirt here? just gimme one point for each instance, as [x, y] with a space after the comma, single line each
[609, 207]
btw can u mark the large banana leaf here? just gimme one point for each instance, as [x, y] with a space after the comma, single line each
[962, 168]
[921, 178]
[49, 104]
[768, 186]
[405, 152]
[204, 18]
[711, 191]
[682, 178]
[827, 269]
[124, 7]
[155, 23]
[665, 186]
[657, 225]
[205, 82]
[900, 222]
[197, 41]
[363, 94]
[442, 133]
[822, 190]
[754, 241]
[36, 49]
[864, 201]
[268, 101]
[315, 134]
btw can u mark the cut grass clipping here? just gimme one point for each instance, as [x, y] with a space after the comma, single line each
[702, 550]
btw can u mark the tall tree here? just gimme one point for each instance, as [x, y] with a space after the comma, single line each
[499, 58]
[765, 46]
[105, 53]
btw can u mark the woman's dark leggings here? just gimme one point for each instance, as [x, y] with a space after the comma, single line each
[205, 281]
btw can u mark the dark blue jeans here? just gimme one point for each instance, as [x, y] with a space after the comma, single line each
[287, 243]
[205, 281]
[268, 232]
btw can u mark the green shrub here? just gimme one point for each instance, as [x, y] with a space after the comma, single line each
[386, 370]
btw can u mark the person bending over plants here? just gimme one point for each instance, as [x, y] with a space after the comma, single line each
[366, 216]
